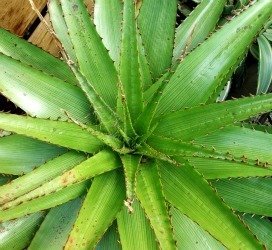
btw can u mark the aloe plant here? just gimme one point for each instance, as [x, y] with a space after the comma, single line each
[123, 144]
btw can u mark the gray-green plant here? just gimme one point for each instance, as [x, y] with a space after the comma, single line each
[123, 144]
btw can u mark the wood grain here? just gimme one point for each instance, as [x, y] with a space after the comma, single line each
[43, 39]
[17, 15]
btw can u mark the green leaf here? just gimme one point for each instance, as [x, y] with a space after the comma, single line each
[106, 115]
[129, 63]
[191, 194]
[55, 229]
[149, 192]
[222, 168]
[196, 27]
[134, 229]
[268, 34]
[92, 57]
[157, 31]
[60, 28]
[108, 25]
[5, 179]
[56, 132]
[261, 227]
[40, 175]
[40, 94]
[130, 165]
[20, 154]
[110, 240]
[191, 123]
[98, 164]
[102, 203]
[17, 234]
[189, 235]
[247, 144]
[252, 195]
[144, 120]
[265, 65]
[42, 203]
[146, 77]
[204, 72]
[33, 56]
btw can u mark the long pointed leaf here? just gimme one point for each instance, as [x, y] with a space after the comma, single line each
[149, 192]
[60, 28]
[186, 190]
[244, 143]
[196, 27]
[31, 55]
[98, 164]
[55, 132]
[207, 69]
[92, 57]
[44, 202]
[261, 227]
[129, 62]
[40, 175]
[191, 123]
[102, 203]
[106, 115]
[40, 94]
[213, 168]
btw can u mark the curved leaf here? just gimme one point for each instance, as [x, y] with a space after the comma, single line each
[196, 27]
[40, 94]
[265, 65]
[207, 69]
[191, 194]
[31, 55]
[56, 132]
[108, 25]
[191, 123]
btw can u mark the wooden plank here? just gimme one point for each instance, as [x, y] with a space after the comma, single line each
[43, 39]
[17, 15]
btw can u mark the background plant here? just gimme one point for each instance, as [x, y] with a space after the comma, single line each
[128, 138]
